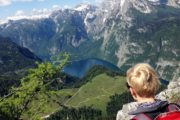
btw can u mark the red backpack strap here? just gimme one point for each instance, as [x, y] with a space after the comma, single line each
[141, 116]
[173, 107]
[175, 115]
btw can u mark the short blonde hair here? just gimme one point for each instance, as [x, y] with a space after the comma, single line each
[143, 78]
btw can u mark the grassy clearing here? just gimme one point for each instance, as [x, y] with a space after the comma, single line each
[97, 92]
[54, 99]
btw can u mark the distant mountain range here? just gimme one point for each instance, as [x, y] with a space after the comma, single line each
[123, 32]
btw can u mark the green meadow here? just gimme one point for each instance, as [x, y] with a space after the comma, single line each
[96, 93]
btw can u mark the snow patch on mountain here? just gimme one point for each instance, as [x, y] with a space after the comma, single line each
[20, 17]
[34, 17]
[3, 22]
[82, 7]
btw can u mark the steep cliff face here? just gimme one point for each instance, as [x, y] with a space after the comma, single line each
[124, 32]
[139, 31]
[61, 30]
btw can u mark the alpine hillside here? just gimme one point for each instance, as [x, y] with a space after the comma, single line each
[13, 57]
[14, 62]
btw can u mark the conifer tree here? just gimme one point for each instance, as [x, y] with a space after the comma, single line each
[38, 81]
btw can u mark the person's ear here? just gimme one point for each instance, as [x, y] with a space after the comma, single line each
[133, 93]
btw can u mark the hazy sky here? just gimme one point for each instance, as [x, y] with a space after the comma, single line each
[23, 7]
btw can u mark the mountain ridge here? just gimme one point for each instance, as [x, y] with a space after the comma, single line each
[121, 32]
[14, 61]
[14, 57]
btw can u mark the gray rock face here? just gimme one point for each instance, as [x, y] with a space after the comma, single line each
[173, 3]
[123, 26]
[48, 36]
[173, 88]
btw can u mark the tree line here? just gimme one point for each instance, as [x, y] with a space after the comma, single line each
[84, 113]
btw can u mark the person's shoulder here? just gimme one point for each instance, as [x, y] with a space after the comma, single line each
[124, 113]
[119, 115]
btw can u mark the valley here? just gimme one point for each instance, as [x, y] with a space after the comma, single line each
[92, 94]
[96, 93]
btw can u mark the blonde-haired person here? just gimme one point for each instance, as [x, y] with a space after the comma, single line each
[143, 84]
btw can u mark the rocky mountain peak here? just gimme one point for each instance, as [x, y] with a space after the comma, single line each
[85, 7]
[125, 5]
[113, 10]
[144, 6]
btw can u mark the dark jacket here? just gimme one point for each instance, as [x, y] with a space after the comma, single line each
[151, 109]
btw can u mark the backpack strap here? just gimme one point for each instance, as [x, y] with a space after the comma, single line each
[173, 107]
[141, 116]
[150, 116]
[175, 115]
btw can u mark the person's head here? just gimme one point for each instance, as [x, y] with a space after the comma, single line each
[143, 81]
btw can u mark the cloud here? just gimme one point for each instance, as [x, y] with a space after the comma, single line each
[66, 7]
[40, 0]
[22, 0]
[34, 14]
[19, 13]
[85, 1]
[8, 2]
[99, 1]
[43, 11]
[5, 2]
[56, 7]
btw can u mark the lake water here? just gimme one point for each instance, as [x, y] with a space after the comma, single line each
[81, 67]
